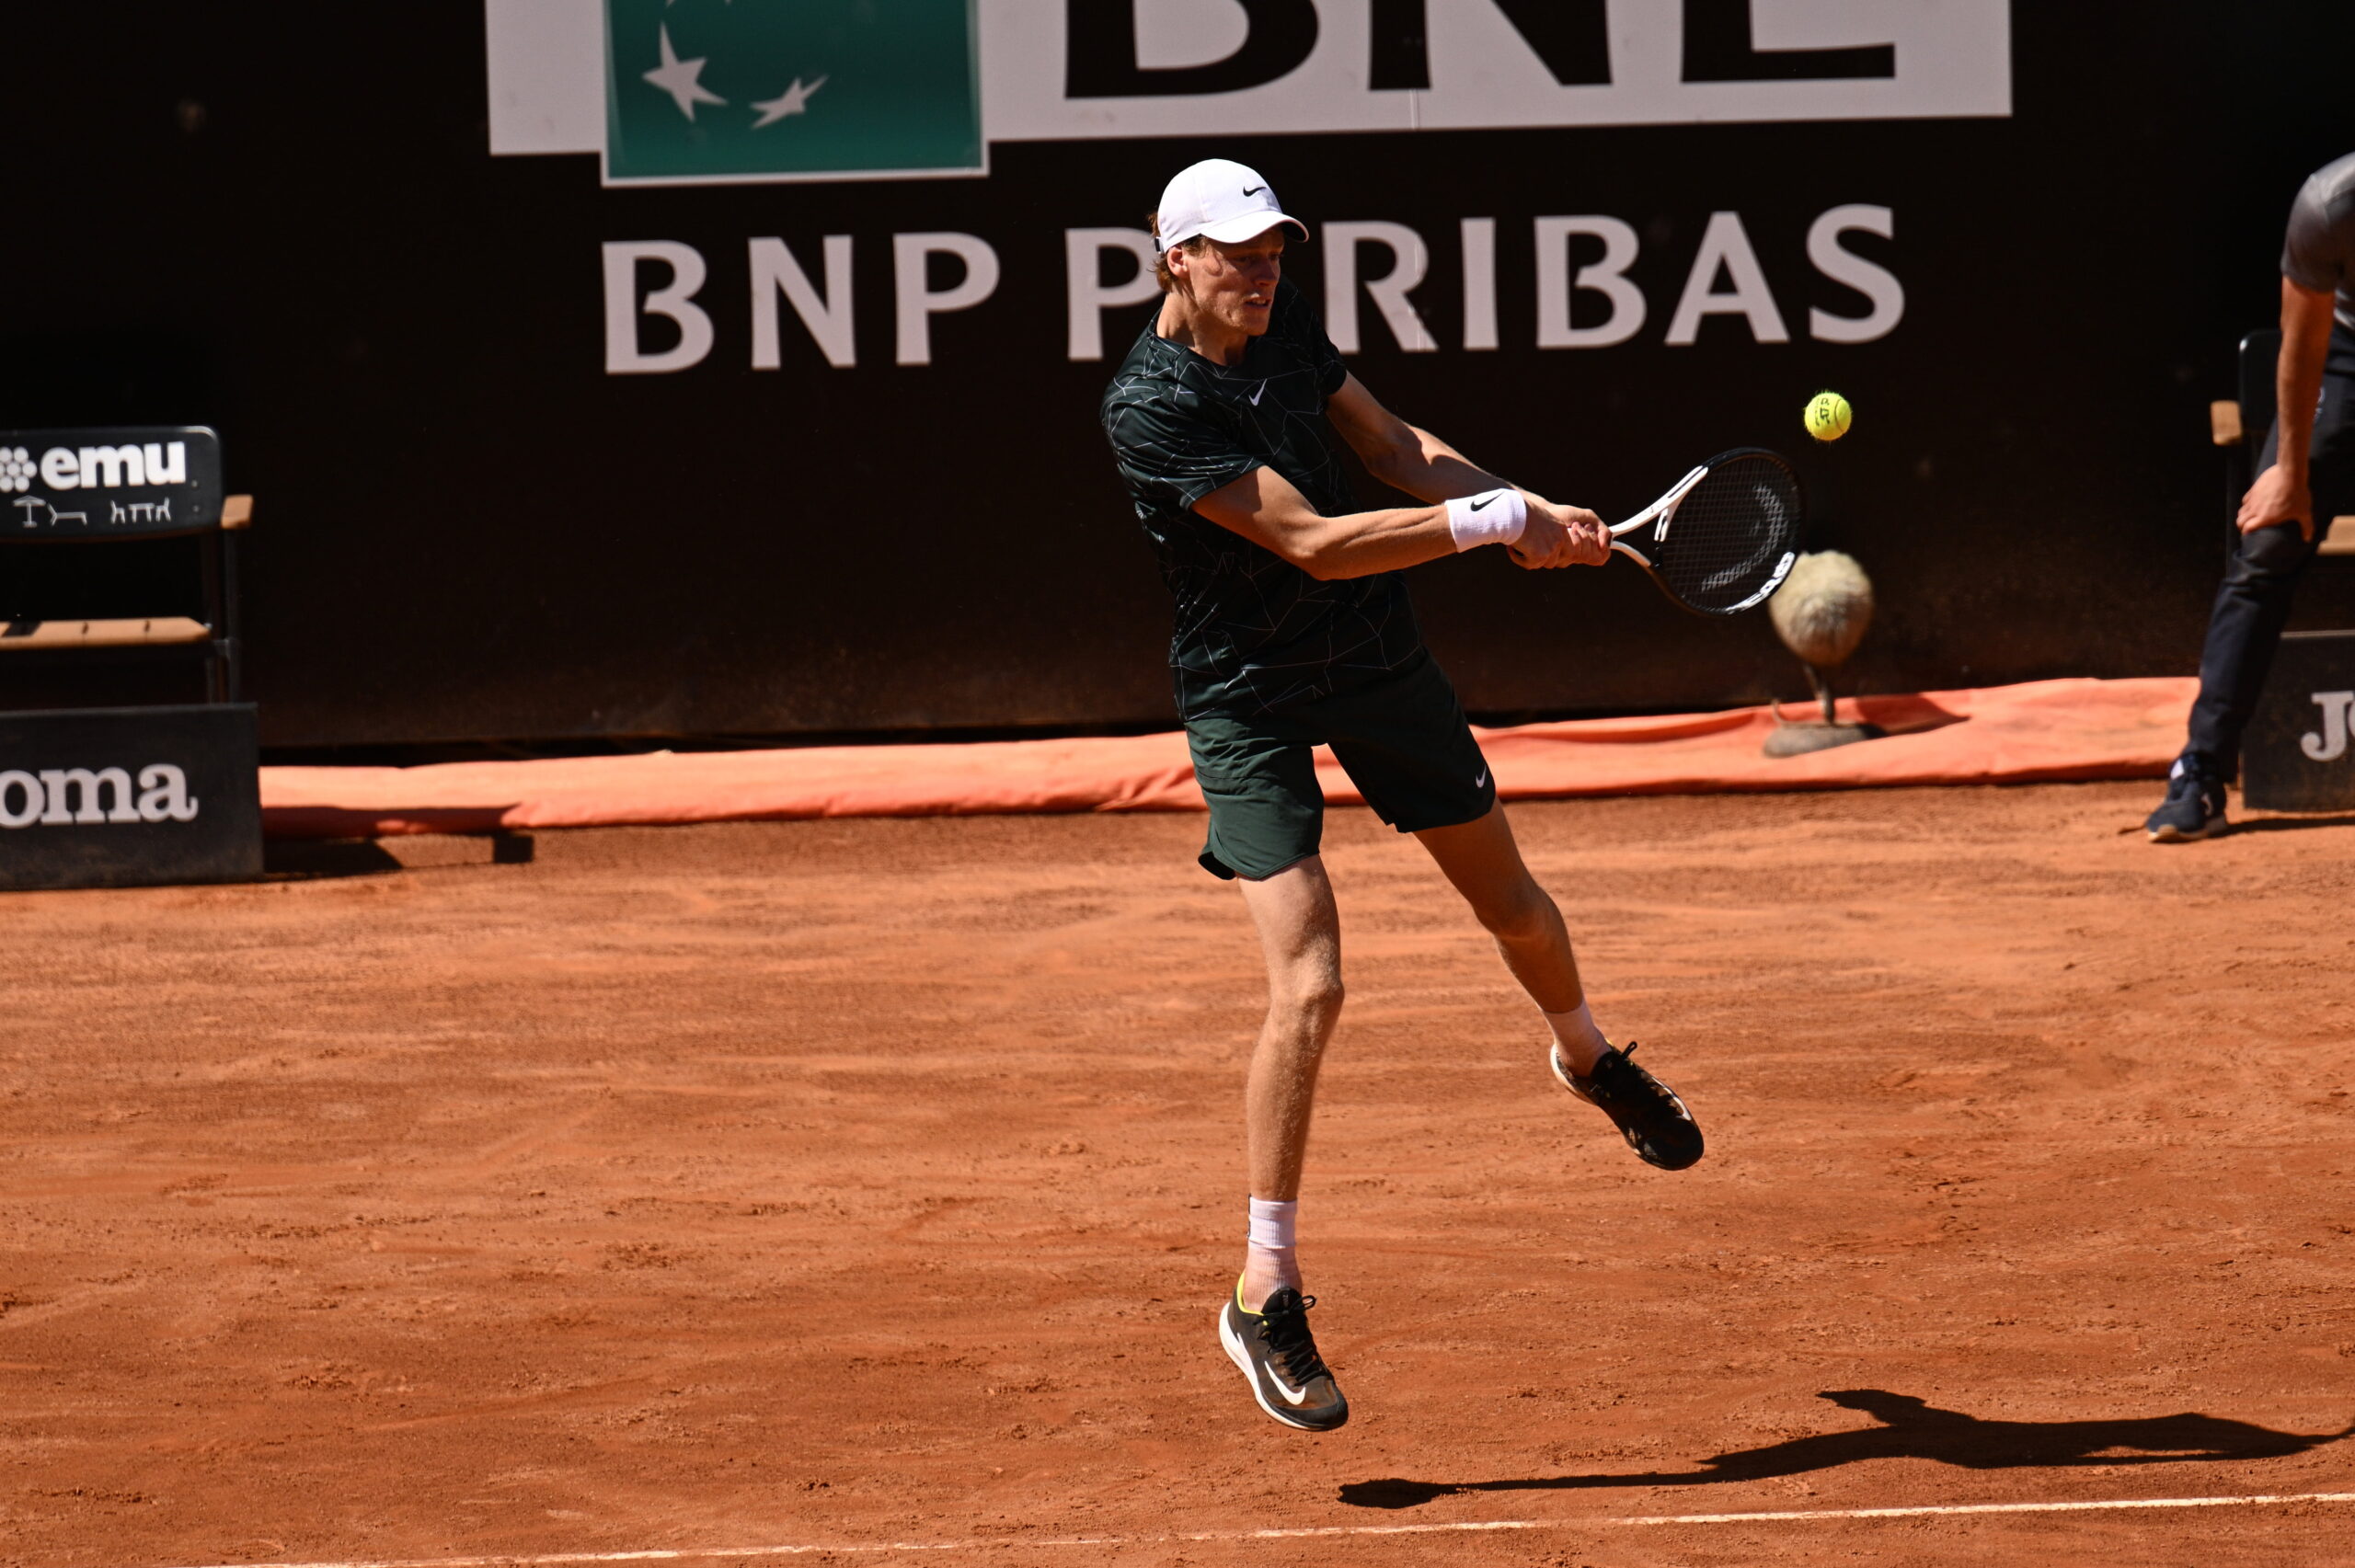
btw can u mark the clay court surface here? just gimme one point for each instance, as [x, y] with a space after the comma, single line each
[849, 1183]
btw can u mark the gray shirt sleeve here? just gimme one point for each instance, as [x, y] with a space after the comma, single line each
[2319, 252]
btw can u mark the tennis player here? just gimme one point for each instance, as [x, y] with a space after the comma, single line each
[2305, 477]
[1293, 628]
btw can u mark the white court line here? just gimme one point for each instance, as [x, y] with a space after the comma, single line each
[556, 1559]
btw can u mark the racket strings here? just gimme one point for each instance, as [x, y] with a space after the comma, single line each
[1729, 537]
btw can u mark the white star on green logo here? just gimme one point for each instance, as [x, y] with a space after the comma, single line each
[794, 101]
[679, 78]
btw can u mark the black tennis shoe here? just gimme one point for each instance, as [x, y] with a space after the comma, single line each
[1278, 1357]
[2194, 807]
[1646, 1112]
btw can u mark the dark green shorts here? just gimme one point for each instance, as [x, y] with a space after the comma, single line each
[1402, 740]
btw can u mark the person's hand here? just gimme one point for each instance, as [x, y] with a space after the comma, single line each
[1560, 536]
[2276, 497]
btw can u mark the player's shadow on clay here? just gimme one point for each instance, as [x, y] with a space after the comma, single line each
[1913, 1429]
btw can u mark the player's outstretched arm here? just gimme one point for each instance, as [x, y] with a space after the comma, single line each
[1269, 509]
[1407, 458]
[1400, 455]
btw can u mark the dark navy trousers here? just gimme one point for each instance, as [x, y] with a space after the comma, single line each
[2253, 601]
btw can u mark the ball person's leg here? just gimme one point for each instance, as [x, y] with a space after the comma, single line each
[2245, 627]
[2252, 603]
[1300, 932]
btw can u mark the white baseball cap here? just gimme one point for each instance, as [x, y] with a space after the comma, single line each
[1223, 199]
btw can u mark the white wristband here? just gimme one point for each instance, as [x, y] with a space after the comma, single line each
[1494, 517]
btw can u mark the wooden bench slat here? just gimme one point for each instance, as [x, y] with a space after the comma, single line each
[50, 635]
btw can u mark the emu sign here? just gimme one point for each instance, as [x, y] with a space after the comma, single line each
[108, 483]
[121, 797]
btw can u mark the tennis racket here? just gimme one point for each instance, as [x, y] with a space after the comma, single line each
[1724, 537]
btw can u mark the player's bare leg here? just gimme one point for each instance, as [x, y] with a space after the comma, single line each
[1300, 932]
[1264, 1327]
[1484, 862]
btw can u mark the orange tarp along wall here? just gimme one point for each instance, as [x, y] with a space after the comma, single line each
[2043, 730]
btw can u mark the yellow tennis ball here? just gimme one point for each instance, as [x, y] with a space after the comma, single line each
[1828, 416]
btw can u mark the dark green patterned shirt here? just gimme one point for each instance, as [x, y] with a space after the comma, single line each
[1254, 631]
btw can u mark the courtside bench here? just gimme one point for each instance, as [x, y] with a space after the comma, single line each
[139, 793]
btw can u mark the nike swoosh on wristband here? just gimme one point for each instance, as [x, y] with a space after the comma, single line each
[1479, 506]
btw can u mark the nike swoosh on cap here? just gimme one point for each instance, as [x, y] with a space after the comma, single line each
[1253, 189]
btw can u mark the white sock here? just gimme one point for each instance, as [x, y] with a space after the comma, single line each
[1575, 1031]
[1269, 1243]
[1271, 1225]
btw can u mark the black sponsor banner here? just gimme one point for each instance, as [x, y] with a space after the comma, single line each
[2299, 754]
[118, 797]
[133, 483]
[538, 456]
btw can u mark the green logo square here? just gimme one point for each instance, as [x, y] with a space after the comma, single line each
[729, 90]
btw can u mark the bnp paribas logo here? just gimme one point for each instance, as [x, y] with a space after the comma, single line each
[728, 90]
